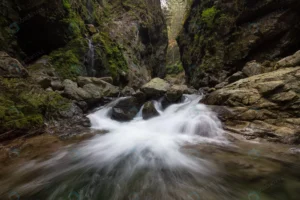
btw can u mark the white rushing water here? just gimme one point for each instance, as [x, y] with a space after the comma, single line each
[133, 159]
[155, 142]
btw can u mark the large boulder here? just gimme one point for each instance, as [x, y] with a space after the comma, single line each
[149, 110]
[265, 105]
[175, 93]
[155, 88]
[10, 67]
[253, 68]
[92, 90]
[126, 109]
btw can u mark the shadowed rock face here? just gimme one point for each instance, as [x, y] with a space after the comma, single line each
[129, 38]
[219, 37]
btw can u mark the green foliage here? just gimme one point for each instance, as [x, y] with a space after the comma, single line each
[208, 15]
[174, 69]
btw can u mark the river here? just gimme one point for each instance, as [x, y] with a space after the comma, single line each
[182, 154]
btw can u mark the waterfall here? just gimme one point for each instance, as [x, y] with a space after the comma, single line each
[90, 60]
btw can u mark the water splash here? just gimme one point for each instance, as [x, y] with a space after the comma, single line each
[136, 159]
[155, 142]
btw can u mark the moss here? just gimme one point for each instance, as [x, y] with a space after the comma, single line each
[111, 55]
[66, 4]
[68, 61]
[25, 106]
[208, 15]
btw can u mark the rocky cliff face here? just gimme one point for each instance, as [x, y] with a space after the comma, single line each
[49, 47]
[219, 37]
[263, 105]
[129, 37]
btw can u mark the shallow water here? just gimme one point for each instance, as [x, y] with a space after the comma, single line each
[183, 154]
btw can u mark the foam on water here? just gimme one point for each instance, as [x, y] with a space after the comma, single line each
[155, 142]
[140, 155]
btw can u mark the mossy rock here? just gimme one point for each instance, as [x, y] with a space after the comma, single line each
[25, 106]
[69, 61]
[111, 56]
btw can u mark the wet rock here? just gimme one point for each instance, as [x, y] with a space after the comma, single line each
[10, 67]
[253, 68]
[126, 109]
[82, 105]
[149, 110]
[175, 93]
[155, 88]
[140, 96]
[127, 91]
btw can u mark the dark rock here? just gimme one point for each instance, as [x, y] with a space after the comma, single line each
[44, 82]
[126, 109]
[83, 105]
[175, 93]
[140, 96]
[127, 91]
[85, 122]
[149, 110]
[235, 77]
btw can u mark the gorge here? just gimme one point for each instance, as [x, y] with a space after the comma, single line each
[149, 100]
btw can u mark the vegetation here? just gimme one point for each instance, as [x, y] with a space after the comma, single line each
[25, 106]
[208, 15]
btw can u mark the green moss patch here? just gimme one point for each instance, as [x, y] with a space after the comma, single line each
[25, 106]
[111, 55]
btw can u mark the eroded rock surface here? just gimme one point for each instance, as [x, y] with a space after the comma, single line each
[265, 105]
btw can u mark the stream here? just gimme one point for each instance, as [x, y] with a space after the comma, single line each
[182, 154]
